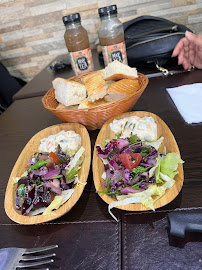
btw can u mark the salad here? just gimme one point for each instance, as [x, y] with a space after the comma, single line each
[134, 169]
[51, 174]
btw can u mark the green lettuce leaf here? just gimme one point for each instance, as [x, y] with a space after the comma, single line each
[156, 144]
[169, 164]
[58, 201]
[157, 171]
[76, 161]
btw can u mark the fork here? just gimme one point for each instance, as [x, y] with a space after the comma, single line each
[15, 258]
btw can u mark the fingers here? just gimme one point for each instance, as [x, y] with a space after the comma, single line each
[180, 58]
[186, 52]
[184, 61]
[194, 39]
[181, 45]
[186, 58]
[187, 66]
[178, 48]
[192, 56]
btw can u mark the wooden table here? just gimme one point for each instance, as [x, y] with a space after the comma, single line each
[87, 236]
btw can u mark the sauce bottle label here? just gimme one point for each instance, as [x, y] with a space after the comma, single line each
[115, 52]
[81, 61]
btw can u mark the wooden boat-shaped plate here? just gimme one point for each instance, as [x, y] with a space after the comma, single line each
[19, 169]
[171, 146]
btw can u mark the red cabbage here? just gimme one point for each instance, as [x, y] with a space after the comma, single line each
[127, 190]
[127, 174]
[54, 185]
[114, 164]
[52, 173]
[121, 143]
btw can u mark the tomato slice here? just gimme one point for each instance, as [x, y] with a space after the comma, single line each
[130, 161]
[54, 157]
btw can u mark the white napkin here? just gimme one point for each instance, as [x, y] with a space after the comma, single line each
[188, 100]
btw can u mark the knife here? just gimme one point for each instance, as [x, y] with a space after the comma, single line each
[184, 221]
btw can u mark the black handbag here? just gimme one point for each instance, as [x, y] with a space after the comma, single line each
[151, 40]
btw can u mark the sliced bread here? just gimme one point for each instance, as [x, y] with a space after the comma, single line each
[87, 104]
[116, 71]
[63, 107]
[121, 89]
[95, 86]
[69, 92]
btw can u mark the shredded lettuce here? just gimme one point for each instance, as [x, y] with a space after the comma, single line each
[16, 179]
[169, 181]
[144, 197]
[165, 166]
[71, 174]
[153, 169]
[157, 171]
[81, 184]
[122, 202]
[169, 164]
[76, 161]
[156, 144]
[164, 150]
[163, 170]
[55, 204]
[104, 175]
[37, 211]
[59, 200]
[67, 194]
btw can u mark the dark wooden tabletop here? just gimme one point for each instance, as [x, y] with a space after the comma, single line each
[87, 236]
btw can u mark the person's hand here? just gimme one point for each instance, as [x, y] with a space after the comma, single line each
[189, 51]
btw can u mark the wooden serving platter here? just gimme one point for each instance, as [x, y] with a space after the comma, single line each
[171, 146]
[19, 169]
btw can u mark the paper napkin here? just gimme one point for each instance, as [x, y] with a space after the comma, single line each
[188, 100]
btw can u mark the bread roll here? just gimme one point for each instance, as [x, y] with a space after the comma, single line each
[69, 92]
[95, 86]
[121, 89]
[87, 104]
[116, 71]
[63, 107]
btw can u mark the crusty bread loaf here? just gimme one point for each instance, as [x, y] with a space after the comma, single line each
[87, 104]
[121, 89]
[108, 83]
[95, 86]
[69, 92]
[116, 71]
[63, 107]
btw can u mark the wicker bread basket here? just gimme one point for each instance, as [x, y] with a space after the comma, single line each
[94, 118]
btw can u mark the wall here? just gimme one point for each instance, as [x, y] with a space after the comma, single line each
[31, 31]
